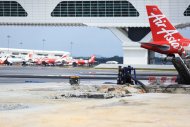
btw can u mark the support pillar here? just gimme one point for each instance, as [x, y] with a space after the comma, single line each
[133, 54]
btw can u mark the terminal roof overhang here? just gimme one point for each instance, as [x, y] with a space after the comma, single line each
[135, 15]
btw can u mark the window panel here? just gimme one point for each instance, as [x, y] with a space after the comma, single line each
[117, 13]
[71, 4]
[12, 8]
[102, 13]
[1, 13]
[124, 14]
[56, 13]
[1, 6]
[71, 13]
[94, 14]
[109, 6]
[6, 2]
[96, 9]
[14, 14]
[86, 14]
[187, 11]
[63, 14]
[71, 9]
[109, 14]
[57, 9]
[86, 2]
[94, 6]
[79, 14]
[6, 13]
[78, 9]
[78, 3]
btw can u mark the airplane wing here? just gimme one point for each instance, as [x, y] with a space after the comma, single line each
[161, 47]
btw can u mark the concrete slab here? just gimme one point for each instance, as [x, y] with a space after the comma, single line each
[138, 67]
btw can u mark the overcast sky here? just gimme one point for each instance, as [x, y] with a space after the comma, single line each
[86, 40]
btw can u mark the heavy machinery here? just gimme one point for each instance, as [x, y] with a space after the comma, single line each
[127, 75]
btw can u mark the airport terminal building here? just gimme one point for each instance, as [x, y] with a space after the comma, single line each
[25, 52]
[127, 19]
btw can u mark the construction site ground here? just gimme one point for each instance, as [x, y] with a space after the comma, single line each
[54, 105]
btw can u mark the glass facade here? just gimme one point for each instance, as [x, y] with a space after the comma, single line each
[187, 11]
[95, 9]
[11, 9]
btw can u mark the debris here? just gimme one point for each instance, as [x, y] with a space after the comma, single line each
[99, 92]
[74, 80]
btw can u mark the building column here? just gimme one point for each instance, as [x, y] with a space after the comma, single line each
[133, 54]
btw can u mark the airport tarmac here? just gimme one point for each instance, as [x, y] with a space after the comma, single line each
[39, 74]
[40, 70]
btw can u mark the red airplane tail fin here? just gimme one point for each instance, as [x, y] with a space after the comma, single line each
[65, 56]
[30, 55]
[162, 29]
[92, 59]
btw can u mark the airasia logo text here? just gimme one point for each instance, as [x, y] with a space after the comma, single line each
[160, 22]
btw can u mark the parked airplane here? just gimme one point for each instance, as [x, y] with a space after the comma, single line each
[3, 60]
[67, 60]
[40, 59]
[64, 60]
[54, 61]
[9, 60]
[32, 58]
[78, 62]
[166, 39]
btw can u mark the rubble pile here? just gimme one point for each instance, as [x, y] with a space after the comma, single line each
[100, 92]
[175, 88]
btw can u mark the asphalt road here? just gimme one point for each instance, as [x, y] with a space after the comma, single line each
[38, 70]
[39, 74]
